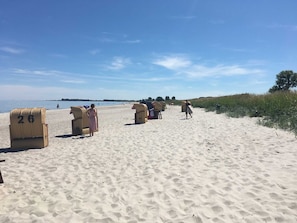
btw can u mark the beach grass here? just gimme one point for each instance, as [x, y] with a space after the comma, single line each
[277, 110]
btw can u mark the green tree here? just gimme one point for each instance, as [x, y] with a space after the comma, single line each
[173, 98]
[284, 81]
[159, 99]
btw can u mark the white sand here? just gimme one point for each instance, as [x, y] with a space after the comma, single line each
[210, 168]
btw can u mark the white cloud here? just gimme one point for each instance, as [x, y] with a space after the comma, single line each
[71, 81]
[183, 66]
[94, 51]
[37, 72]
[24, 92]
[173, 62]
[132, 41]
[50, 76]
[119, 63]
[198, 71]
[11, 50]
[283, 26]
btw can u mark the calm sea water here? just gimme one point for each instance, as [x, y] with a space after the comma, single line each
[7, 106]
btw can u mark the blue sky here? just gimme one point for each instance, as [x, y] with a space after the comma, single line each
[135, 49]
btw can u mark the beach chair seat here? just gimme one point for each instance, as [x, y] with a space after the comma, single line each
[141, 114]
[80, 123]
[158, 107]
[28, 128]
[163, 104]
[183, 106]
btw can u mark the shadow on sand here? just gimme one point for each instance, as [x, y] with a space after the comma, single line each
[65, 136]
[72, 136]
[10, 150]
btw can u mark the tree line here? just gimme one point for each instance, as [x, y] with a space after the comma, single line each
[159, 98]
[285, 80]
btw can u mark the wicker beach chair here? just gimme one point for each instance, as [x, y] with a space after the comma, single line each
[27, 128]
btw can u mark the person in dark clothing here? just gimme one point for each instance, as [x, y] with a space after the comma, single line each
[188, 109]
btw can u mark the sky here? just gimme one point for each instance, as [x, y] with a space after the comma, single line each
[136, 49]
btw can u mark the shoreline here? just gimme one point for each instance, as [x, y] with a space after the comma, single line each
[210, 168]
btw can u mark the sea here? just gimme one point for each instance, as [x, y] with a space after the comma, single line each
[8, 105]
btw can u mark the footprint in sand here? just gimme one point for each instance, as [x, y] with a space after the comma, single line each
[196, 219]
[275, 196]
[217, 209]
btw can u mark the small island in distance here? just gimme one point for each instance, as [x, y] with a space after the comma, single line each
[79, 99]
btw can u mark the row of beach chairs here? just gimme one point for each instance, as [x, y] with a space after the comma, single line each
[29, 130]
[145, 111]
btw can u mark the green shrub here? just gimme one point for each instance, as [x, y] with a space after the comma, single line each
[278, 109]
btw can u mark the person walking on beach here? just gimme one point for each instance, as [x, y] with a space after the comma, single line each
[92, 114]
[188, 109]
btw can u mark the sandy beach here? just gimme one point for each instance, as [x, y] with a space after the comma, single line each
[209, 168]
